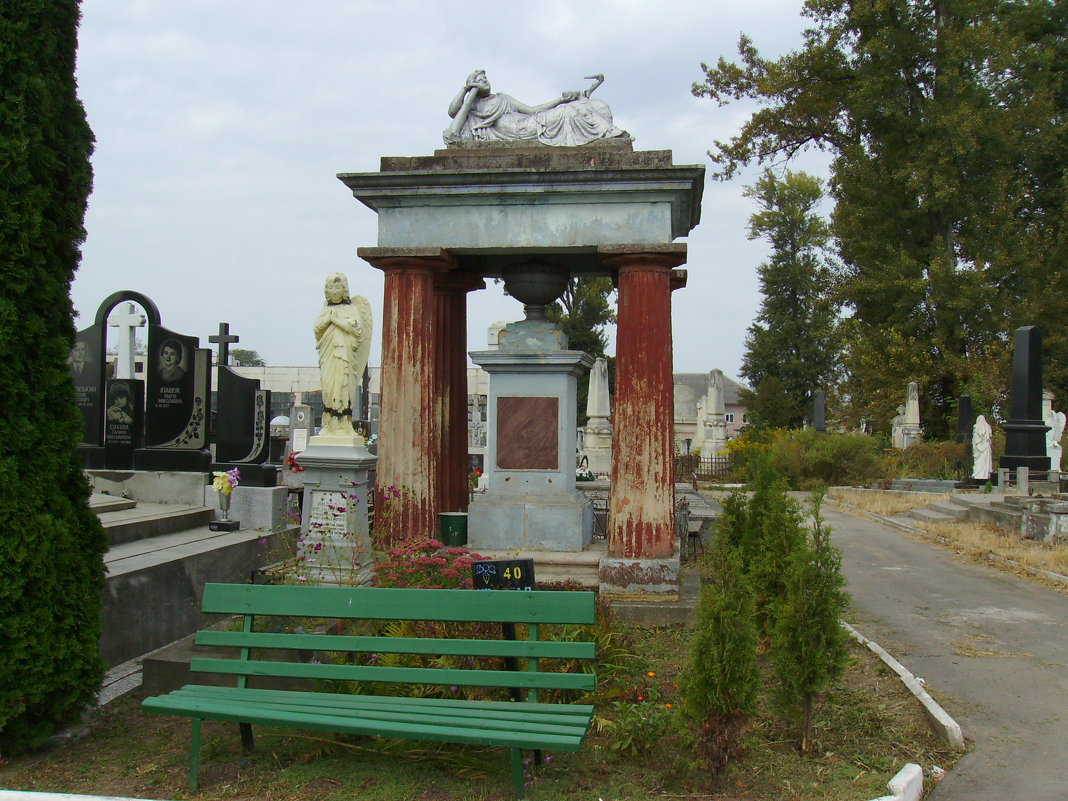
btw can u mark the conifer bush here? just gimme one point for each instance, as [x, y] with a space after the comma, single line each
[51, 544]
[722, 680]
[808, 645]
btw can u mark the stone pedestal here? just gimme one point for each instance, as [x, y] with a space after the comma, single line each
[532, 502]
[335, 537]
[597, 444]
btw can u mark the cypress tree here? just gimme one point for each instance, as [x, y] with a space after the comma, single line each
[51, 545]
[808, 646]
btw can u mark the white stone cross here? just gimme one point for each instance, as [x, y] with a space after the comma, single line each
[127, 320]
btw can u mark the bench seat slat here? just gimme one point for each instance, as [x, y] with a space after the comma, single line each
[427, 704]
[460, 715]
[400, 645]
[470, 678]
[254, 713]
[373, 603]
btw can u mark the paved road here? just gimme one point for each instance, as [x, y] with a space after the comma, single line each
[993, 649]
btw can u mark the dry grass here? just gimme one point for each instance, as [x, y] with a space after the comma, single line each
[885, 502]
[976, 541]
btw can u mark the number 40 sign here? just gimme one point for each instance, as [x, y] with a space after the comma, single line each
[509, 574]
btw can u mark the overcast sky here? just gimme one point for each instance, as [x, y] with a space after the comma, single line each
[220, 128]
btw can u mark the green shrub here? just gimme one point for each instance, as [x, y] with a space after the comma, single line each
[943, 460]
[51, 544]
[811, 459]
[720, 684]
[808, 645]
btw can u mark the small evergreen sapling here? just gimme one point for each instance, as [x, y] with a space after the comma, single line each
[808, 646]
[721, 682]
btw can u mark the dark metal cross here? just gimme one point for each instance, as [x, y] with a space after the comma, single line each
[223, 339]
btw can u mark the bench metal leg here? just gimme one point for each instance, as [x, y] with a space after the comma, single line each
[247, 743]
[517, 771]
[194, 756]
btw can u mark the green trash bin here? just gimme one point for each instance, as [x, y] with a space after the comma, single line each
[453, 527]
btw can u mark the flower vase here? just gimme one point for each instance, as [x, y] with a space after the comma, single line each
[224, 523]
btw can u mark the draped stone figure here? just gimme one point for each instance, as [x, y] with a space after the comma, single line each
[1056, 422]
[343, 339]
[479, 115]
[982, 455]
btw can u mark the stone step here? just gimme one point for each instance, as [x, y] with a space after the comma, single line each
[147, 520]
[929, 515]
[101, 503]
[950, 509]
[153, 588]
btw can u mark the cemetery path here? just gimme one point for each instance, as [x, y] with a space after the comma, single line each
[991, 648]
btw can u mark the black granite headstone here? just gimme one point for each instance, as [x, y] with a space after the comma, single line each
[177, 403]
[242, 429]
[1025, 431]
[819, 411]
[86, 366]
[123, 422]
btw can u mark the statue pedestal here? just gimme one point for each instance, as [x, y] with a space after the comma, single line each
[335, 534]
[532, 502]
[597, 445]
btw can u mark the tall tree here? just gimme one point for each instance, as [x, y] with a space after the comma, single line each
[790, 349]
[244, 357]
[582, 313]
[51, 545]
[948, 129]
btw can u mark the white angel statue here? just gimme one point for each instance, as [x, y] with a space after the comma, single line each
[343, 339]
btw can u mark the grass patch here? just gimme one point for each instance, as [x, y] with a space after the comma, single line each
[978, 542]
[866, 730]
[886, 502]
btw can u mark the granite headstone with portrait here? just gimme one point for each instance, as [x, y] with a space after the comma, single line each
[177, 403]
[86, 366]
[123, 422]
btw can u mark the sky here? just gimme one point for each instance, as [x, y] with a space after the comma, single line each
[221, 126]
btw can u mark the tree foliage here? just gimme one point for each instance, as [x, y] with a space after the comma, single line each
[243, 357]
[790, 349]
[51, 544]
[947, 127]
[582, 314]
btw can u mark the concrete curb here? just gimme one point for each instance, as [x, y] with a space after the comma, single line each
[907, 784]
[942, 724]
[992, 557]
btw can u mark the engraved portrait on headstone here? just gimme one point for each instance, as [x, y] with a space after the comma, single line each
[172, 361]
[573, 118]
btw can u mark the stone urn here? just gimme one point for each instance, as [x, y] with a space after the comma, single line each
[535, 284]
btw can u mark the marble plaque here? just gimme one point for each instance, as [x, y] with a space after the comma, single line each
[528, 433]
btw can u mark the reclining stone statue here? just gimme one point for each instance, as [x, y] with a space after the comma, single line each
[571, 119]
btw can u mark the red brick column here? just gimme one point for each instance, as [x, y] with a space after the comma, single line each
[451, 290]
[641, 518]
[410, 433]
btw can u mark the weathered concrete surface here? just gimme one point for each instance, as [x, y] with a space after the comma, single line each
[991, 648]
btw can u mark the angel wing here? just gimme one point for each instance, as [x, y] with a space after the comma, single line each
[363, 349]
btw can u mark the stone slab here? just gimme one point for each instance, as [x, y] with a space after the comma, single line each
[262, 508]
[534, 522]
[151, 486]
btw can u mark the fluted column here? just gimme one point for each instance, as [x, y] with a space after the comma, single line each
[641, 518]
[408, 496]
[450, 292]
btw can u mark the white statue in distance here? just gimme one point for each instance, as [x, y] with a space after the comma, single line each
[343, 339]
[572, 119]
[982, 452]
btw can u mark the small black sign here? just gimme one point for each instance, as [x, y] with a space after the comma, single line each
[508, 574]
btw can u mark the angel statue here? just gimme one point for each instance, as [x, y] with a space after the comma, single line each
[573, 118]
[343, 339]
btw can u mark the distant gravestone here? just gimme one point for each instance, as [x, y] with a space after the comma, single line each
[300, 428]
[242, 429]
[1025, 431]
[819, 411]
[123, 422]
[964, 427]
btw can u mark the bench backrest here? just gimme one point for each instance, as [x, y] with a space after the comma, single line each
[531, 609]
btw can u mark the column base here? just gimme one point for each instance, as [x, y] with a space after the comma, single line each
[640, 579]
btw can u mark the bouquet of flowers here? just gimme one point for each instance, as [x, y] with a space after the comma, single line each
[292, 464]
[225, 482]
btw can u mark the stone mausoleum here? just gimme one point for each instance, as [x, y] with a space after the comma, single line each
[533, 215]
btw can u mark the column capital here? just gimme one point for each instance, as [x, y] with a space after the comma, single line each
[458, 281]
[639, 257]
[435, 260]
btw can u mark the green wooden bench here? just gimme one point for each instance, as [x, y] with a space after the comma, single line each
[513, 724]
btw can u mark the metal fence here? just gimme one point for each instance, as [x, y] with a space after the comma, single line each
[702, 468]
